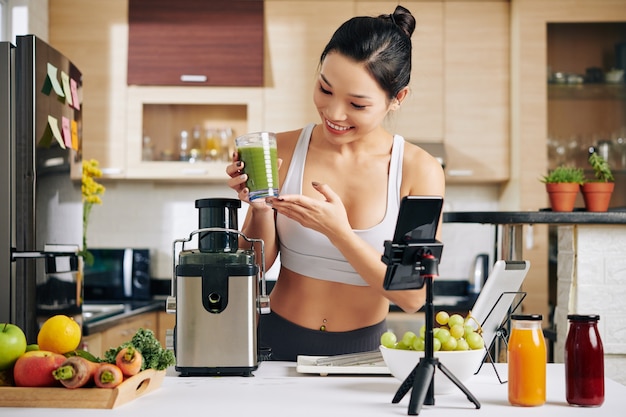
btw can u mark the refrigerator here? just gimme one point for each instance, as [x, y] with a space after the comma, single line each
[40, 184]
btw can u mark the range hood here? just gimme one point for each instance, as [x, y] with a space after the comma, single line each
[436, 149]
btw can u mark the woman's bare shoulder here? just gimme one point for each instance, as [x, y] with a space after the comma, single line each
[422, 173]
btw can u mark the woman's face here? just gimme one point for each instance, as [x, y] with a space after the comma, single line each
[348, 99]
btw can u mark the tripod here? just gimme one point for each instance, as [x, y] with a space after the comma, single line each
[421, 378]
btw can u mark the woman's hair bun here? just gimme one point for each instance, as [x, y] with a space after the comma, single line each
[403, 18]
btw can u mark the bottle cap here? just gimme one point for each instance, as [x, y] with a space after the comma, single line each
[583, 317]
[527, 317]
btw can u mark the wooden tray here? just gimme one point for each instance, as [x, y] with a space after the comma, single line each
[134, 387]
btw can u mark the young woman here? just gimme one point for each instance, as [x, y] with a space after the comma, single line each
[341, 185]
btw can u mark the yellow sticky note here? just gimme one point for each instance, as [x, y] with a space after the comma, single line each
[65, 80]
[74, 129]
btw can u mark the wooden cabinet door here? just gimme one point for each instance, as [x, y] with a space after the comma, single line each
[477, 91]
[195, 42]
[125, 331]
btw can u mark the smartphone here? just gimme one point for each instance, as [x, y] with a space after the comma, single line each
[415, 234]
[418, 218]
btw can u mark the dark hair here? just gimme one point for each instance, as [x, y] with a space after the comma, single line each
[382, 43]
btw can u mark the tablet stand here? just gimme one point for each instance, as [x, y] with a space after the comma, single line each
[423, 259]
[501, 333]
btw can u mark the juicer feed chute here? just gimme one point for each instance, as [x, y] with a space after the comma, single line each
[218, 292]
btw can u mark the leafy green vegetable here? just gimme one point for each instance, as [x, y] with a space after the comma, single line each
[154, 355]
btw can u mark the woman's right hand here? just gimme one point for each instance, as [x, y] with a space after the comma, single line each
[237, 179]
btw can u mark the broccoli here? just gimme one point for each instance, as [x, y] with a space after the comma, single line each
[154, 355]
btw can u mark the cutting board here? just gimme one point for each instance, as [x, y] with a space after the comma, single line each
[132, 388]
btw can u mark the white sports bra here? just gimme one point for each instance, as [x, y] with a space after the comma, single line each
[310, 253]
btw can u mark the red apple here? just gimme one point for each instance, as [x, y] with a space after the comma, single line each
[12, 344]
[34, 369]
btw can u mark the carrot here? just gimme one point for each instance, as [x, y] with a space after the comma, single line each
[129, 360]
[75, 372]
[108, 375]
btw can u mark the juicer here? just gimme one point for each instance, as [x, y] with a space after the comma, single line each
[218, 292]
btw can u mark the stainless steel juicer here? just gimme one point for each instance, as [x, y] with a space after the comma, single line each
[218, 292]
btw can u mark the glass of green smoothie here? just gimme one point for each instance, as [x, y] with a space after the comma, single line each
[260, 162]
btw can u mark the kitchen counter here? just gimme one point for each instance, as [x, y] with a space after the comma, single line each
[536, 217]
[127, 310]
[278, 390]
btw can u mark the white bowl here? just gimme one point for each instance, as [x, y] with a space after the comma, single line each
[462, 364]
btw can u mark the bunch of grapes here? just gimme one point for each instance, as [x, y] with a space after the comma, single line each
[454, 333]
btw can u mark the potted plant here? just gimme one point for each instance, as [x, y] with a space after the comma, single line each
[562, 185]
[597, 193]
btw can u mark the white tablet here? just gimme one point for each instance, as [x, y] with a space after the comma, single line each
[498, 295]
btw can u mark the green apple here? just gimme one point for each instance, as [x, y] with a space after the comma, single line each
[12, 344]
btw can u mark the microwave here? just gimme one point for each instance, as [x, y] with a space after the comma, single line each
[117, 274]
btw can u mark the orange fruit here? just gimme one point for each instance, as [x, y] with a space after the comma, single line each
[59, 334]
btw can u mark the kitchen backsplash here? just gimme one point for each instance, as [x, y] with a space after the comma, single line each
[153, 215]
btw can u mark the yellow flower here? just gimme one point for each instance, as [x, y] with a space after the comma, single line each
[91, 191]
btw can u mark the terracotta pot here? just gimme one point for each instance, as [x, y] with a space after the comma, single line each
[562, 195]
[597, 195]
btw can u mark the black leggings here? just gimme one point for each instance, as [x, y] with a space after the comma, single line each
[287, 340]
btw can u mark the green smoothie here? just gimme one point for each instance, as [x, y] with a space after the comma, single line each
[261, 166]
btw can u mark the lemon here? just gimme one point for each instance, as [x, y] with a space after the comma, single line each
[59, 334]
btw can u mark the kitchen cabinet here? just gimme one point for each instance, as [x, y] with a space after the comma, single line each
[122, 331]
[456, 97]
[166, 322]
[93, 344]
[477, 91]
[529, 102]
[161, 113]
[94, 35]
[195, 42]
[585, 109]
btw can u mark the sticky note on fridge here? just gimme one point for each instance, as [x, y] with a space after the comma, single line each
[65, 80]
[74, 129]
[67, 134]
[53, 124]
[52, 82]
[74, 91]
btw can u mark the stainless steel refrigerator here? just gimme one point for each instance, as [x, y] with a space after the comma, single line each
[40, 184]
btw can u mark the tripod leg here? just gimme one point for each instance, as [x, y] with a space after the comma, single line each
[421, 385]
[459, 384]
[406, 386]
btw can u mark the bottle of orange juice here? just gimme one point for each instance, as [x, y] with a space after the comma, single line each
[527, 361]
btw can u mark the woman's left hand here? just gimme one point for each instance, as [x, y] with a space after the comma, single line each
[326, 216]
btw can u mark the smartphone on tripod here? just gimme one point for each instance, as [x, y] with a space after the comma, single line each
[416, 229]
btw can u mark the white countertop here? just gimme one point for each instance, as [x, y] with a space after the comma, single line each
[278, 390]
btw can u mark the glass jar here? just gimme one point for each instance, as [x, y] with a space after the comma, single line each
[527, 361]
[584, 361]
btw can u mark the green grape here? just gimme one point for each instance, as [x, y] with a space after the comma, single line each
[449, 344]
[436, 345]
[419, 344]
[443, 335]
[475, 341]
[388, 339]
[408, 338]
[457, 331]
[468, 329]
[442, 317]
[423, 331]
[462, 345]
[455, 319]
[400, 345]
